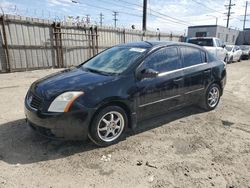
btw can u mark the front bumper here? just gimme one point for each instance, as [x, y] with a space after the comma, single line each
[70, 125]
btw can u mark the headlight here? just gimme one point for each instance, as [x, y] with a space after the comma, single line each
[63, 102]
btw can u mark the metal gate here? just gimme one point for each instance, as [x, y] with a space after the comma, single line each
[74, 45]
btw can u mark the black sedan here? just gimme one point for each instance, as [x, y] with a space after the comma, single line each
[122, 85]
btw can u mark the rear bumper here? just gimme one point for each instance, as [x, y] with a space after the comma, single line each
[68, 126]
[244, 56]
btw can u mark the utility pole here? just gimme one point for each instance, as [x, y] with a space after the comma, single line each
[245, 16]
[229, 6]
[115, 17]
[101, 19]
[144, 18]
[87, 19]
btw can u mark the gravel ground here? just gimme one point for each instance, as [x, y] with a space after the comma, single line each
[185, 148]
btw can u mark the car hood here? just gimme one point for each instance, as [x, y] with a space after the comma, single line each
[68, 80]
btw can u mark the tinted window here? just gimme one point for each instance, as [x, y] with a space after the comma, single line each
[201, 42]
[163, 60]
[191, 56]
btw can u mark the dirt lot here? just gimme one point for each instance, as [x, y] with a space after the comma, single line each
[187, 148]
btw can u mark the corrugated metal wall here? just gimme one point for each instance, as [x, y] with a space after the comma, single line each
[29, 43]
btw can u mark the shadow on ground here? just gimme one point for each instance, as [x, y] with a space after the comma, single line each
[19, 144]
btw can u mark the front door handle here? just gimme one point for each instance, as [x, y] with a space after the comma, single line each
[207, 71]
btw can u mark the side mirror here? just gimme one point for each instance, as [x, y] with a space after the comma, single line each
[148, 73]
[223, 45]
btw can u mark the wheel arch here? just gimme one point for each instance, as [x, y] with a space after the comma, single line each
[115, 102]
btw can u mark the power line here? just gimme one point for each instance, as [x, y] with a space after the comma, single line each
[168, 18]
[103, 8]
[202, 4]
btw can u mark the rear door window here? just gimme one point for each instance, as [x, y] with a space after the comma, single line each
[192, 56]
[164, 60]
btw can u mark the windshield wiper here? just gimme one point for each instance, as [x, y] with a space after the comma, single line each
[97, 71]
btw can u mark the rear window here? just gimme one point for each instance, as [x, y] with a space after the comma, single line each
[201, 42]
[229, 48]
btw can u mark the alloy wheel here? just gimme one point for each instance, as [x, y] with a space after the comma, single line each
[110, 126]
[213, 96]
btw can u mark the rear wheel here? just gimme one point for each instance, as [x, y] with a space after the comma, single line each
[108, 126]
[212, 97]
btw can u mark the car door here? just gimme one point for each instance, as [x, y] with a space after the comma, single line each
[159, 94]
[196, 72]
[220, 50]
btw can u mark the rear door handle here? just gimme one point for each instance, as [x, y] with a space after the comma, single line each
[178, 80]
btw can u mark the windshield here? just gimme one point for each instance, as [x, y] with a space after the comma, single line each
[229, 48]
[201, 42]
[114, 60]
[244, 47]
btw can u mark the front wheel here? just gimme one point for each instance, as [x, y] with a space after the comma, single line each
[226, 60]
[212, 97]
[108, 126]
[239, 59]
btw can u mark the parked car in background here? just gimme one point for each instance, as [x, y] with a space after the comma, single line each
[121, 86]
[245, 51]
[213, 45]
[234, 53]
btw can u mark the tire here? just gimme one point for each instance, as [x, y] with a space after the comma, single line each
[206, 102]
[108, 126]
[231, 60]
[226, 60]
[239, 59]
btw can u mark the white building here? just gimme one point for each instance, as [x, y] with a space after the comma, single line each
[228, 35]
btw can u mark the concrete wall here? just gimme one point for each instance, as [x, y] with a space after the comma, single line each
[32, 43]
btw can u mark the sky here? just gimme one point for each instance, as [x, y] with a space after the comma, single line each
[166, 15]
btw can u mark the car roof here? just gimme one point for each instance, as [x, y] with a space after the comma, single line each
[203, 38]
[158, 44]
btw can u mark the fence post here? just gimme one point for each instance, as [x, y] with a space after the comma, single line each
[92, 40]
[58, 42]
[124, 36]
[171, 36]
[96, 39]
[89, 42]
[6, 47]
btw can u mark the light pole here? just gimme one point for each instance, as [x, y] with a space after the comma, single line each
[215, 18]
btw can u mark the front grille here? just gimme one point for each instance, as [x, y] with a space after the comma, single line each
[35, 101]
